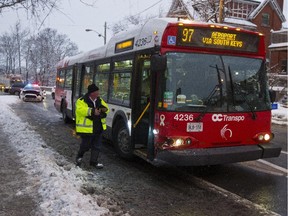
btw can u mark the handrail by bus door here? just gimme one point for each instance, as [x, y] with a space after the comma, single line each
[140, 117]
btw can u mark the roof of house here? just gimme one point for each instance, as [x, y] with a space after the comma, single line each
[273, 4]
[239, 22]
[185, 6]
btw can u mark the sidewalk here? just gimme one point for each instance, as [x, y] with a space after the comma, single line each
[15, 199]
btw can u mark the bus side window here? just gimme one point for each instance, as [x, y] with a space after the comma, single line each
[61, 79]
[102, 79]
[77, 82]
[68, 80]
[121, 82]
[120, 90]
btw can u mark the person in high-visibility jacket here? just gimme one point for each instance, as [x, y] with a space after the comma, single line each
[91, 112]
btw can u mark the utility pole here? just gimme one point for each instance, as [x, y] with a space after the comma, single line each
[99, 34]
[105, 35]
[221, 10]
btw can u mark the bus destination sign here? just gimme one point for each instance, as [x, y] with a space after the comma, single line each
[124, 45]
[217, 38]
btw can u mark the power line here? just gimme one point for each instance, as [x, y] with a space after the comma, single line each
[148, 8]
[124, 19]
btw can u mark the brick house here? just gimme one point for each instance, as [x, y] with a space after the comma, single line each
[278, 61]
[278, 51]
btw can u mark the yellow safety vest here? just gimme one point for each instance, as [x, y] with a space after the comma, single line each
[84, 124]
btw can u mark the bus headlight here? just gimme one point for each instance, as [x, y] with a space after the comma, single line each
[263, 137]
[188, 141]
[155, 131]
[178, 142]
[267, 137]
[260, 137]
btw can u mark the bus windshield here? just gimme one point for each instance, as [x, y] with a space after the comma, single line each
[213, 83]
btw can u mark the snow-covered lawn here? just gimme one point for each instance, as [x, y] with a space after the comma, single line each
[279, 116]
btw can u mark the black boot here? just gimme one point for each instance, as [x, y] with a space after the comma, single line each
[94, 159]
[78, 161]
[96, 165]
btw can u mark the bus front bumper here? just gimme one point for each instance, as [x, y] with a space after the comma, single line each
[214, 156]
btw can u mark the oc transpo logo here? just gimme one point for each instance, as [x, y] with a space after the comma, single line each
[226, 118]
[226, 131]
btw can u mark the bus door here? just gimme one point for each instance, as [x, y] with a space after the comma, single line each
[76, 85]
[141, 104]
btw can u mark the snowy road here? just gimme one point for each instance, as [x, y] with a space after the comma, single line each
[39, 174]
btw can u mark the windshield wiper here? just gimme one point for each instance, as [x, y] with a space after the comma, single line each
[212, 93]
[208, 103]
[231, 86]
[254, 116]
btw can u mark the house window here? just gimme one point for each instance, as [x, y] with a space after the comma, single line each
[265, 19]
[240, 9]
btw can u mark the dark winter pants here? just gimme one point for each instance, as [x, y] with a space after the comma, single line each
[93, 142]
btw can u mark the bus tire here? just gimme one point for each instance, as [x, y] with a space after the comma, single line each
[122, 140]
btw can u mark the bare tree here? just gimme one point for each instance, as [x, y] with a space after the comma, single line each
[19, 35]
[8, 51]
[129, 21]
[33, 7]
[10, 48]
[27, 54]
[47, 49]
[208, 10]
[39, 54]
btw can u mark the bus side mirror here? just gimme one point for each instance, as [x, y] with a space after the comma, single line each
[272, 95]
[158, 63]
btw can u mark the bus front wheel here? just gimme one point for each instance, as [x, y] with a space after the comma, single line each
[122, 140]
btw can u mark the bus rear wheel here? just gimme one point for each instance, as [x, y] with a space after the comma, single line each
[122, 140]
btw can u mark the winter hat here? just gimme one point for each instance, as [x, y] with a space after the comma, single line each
[92, 88]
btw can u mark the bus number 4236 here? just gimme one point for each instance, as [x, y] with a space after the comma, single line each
[183, 117]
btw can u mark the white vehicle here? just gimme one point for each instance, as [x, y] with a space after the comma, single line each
[32, 93]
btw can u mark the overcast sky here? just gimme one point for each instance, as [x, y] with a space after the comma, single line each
[74, 17]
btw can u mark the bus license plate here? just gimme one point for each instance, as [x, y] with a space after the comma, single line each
[194, 127]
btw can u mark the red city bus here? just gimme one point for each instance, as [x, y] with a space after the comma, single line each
[180, 92]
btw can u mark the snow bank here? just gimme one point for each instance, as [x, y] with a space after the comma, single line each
[59, 186]
[279, 116]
